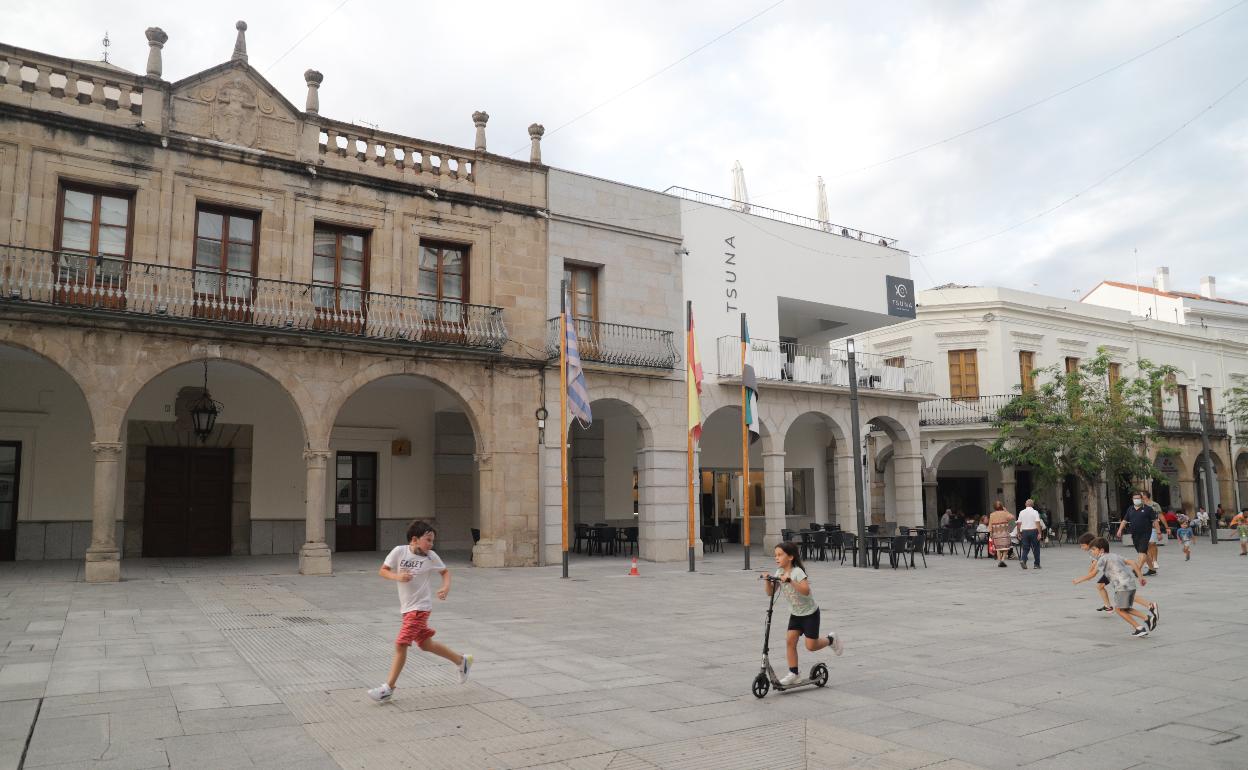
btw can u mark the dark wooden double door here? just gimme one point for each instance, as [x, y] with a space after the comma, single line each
[186, 507]
[10, 476]
[355, 501]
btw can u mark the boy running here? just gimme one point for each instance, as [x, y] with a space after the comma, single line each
[1124, 577]
[412, 567]
[1085, 541]
[1240, 525]
[1184, 533]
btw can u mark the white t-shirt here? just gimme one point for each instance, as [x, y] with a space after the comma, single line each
[417, 593]
[1029, 518]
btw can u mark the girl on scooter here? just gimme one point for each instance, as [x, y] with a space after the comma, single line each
[803, 612]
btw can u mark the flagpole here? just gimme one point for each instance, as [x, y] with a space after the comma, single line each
[689, 374]
[563, 416]
[745, 453]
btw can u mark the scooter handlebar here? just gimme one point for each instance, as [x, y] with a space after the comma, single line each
[770, 578]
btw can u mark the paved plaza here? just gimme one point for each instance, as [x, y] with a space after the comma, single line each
[243, 663]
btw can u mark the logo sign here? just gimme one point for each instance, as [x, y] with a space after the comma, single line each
[1166, 465]
[900, 296]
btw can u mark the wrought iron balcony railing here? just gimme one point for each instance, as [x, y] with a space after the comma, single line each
[976, 410]
[618, 344]
[824, 365]
[1181, 422]
[160, 291]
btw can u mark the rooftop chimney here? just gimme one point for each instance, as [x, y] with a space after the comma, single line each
[1209, 287]
[1161, 280]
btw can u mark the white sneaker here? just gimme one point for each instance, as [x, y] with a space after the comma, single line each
[838, 647]
[381, 693]
[789, 678]
[463, 668]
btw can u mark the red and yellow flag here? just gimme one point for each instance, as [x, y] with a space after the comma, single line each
[693, 377]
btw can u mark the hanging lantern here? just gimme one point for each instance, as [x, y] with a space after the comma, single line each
[204, 410]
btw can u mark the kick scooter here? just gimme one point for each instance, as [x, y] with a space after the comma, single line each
[766, 678]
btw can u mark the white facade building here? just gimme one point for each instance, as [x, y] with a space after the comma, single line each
[983, 340]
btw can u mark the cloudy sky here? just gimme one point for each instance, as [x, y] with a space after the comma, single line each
[807, 88]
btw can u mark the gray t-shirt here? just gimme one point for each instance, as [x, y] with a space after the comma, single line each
[1116, 570]
[801, 605]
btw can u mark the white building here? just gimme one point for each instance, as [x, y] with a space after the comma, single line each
[983, 340]
[1163, 303]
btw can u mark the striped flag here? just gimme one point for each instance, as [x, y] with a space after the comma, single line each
[578, 393]
[750, 383]
[693, 377]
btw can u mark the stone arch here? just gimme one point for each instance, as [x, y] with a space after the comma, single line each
[92, 404]
[633, 402]
[839, 432]
[769, 431]
[141, 376]
[461, 389]
[950, 447]
[897, 431]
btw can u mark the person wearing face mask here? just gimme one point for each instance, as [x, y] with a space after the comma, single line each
[1139, 519]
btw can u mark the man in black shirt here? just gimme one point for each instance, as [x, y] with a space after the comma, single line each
[1139, 519]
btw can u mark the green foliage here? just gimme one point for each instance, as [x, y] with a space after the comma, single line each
[1079, 423]
[1237, 411]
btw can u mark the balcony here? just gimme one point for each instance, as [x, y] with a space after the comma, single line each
[617, 344]
[125, 287]
[977, 410]
[1181, 423]
[824, 365]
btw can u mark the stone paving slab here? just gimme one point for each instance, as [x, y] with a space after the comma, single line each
[243, 663]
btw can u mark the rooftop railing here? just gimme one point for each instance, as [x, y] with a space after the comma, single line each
[719, 201]
[618, 344]
[114, 285]
[824, 365]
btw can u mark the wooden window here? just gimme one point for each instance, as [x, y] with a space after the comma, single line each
[1115, 374]
[1072, 364]
[1026, 369]
[582, 291]
[225, 262]
[339, 277]
[963, 374]
[897, 361]
[443, 288]
[1184, 415]
[93, 222]
[1208, 395]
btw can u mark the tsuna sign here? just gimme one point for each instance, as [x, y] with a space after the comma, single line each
[900, 296]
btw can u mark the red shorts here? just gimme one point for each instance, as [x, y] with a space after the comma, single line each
[415, 628]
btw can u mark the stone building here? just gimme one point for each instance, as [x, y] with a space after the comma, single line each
[986, 341]
[362, 307]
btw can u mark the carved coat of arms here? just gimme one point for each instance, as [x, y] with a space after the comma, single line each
[235, 118]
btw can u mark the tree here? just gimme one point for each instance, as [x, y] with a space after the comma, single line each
[1237, 411]
[1089, 422]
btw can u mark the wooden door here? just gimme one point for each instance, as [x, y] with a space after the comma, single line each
[10, 476]
[186, 506]
[93, 238]
[355, 501]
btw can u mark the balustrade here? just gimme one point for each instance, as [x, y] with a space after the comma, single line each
[824, 365]
[70, 82]
[618, 344]
[366, 146]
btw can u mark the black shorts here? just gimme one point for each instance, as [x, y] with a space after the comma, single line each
[1140, 542]
[1103, 581]
[807, 624]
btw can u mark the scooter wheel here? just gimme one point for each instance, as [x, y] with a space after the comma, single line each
[819, 674]
[761, 686]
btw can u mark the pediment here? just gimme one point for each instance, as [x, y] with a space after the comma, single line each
[233, 104]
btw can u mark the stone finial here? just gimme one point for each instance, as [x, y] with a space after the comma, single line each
[313, 79]
[156, 39]
[479, 119]
[535, 136]
[240, 45]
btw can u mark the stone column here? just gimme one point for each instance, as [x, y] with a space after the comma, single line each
[479, 119]
[491, 550]
[103, 559]
[931, 502]
[314, 556]
[535, 138]
[773, 493]
[314, 80]
[663, 504]
[908, 478]
[846, 512]
[156, 39]
[1009, 490]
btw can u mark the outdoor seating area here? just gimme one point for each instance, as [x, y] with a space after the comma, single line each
[602, 539]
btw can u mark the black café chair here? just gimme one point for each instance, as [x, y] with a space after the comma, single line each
[712, 539]
[627, 539]
[916, 543]
[607, 540]
[893, 546]
[849, 544]
[819, 545]
[580, 535]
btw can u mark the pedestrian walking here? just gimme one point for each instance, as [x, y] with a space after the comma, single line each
[1125, 579]
[412, 566]
[1085, 543]
[803, 611]
[1138, 519]
[1240, 525]
[1030, 527]
[1000, 522]
[1184, 533]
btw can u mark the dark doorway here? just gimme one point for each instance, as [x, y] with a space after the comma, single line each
[186, 506]
[1071, 501]
[1023, 487]
[966, 496]
[355, 501]
[10, 477]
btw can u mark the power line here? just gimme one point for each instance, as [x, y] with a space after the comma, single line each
[1103, 179]
[654, 75]
[1020, 110]
[315, 28]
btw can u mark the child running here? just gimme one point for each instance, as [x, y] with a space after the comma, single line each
[1124, 576]
[1085, 541]
[1240, 525]
[1184, 533]
[803, 612]
[412, 566]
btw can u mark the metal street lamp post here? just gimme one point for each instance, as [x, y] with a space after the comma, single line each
[856, 440]
[1204, 440]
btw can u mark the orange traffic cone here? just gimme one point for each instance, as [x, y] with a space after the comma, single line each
[633, 572]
